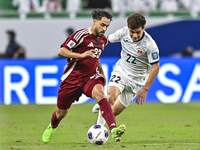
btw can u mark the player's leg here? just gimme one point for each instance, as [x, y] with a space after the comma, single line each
[113, 93]
[66, 96]
[117, 108]
[57, 116]
[106, 111]
[123, 101]
[94, 88]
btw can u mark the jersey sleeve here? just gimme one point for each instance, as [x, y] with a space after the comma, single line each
[74, 39]
[116, 36]
[153, 53]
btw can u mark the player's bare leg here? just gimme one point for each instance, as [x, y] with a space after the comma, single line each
[113, 93]
[55, 120]
[117, 108]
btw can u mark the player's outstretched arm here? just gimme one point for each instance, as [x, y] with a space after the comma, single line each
[143, 92]
[64, 52]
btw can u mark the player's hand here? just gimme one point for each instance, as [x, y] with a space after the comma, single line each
[89, 53]
[141, 96]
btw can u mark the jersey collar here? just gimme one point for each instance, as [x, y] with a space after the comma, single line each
[141, 37]
[90, 31]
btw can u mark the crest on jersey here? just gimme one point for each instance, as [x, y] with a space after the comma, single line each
[139, 51]
[155, 55]
[71, 44]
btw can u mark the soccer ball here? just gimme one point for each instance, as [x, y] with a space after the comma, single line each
[98, 134]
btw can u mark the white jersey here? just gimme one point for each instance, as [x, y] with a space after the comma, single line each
[136, 57]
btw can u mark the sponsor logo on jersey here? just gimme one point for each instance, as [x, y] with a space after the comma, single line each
[139, 51]
[155, 55]
[90, 45]
[71, 44]
[125, 40]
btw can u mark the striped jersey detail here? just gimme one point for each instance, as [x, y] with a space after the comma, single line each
[79, 34]
[64, 76]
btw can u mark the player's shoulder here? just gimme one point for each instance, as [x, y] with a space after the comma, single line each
[80, 33]
[150, 41]
[124, 31]
[148, 38]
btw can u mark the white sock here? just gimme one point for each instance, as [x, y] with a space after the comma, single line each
[100, 119]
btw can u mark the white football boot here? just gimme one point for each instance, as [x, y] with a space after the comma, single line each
[95, 108]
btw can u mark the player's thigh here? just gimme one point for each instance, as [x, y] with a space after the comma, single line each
[67, 95]
[94, 88]
[113, 91]
[117, 108]
[98, 92]
[129, 93]
[116, 80]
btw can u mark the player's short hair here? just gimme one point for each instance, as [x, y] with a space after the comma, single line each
[98, 14]
[136, 21]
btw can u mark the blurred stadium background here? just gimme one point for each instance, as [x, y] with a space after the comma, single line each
[42, 28]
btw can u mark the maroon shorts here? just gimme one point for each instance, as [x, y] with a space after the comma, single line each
[69, 93]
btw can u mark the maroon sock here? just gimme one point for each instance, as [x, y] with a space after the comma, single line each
[107, 113]
[54, 120]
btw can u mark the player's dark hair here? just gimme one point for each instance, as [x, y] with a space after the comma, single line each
[136, 21]
[98, 14]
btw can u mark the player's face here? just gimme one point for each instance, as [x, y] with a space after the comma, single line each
[100, 26]
[136, 34]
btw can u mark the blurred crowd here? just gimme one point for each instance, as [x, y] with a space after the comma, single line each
[117, 6]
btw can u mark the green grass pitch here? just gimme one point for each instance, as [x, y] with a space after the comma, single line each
[152, 126]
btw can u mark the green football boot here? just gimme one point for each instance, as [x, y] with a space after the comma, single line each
[117, 132]
[46, 137]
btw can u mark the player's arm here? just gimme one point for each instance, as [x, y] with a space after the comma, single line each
[101, 71]
[64, 52]
[143, 92]
[116, 36]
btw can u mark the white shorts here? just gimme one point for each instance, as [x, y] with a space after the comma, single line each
[129, 90]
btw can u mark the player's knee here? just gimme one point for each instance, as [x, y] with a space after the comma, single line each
[98, 94]
[116, 113]
[111, 99]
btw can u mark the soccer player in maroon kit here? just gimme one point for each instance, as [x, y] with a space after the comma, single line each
[84, 73]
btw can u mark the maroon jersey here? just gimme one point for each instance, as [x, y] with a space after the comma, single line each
[81, 41]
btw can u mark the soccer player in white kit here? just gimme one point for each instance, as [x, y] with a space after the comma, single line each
[137, 68]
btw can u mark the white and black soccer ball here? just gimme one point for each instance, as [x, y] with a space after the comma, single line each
[98, 134]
